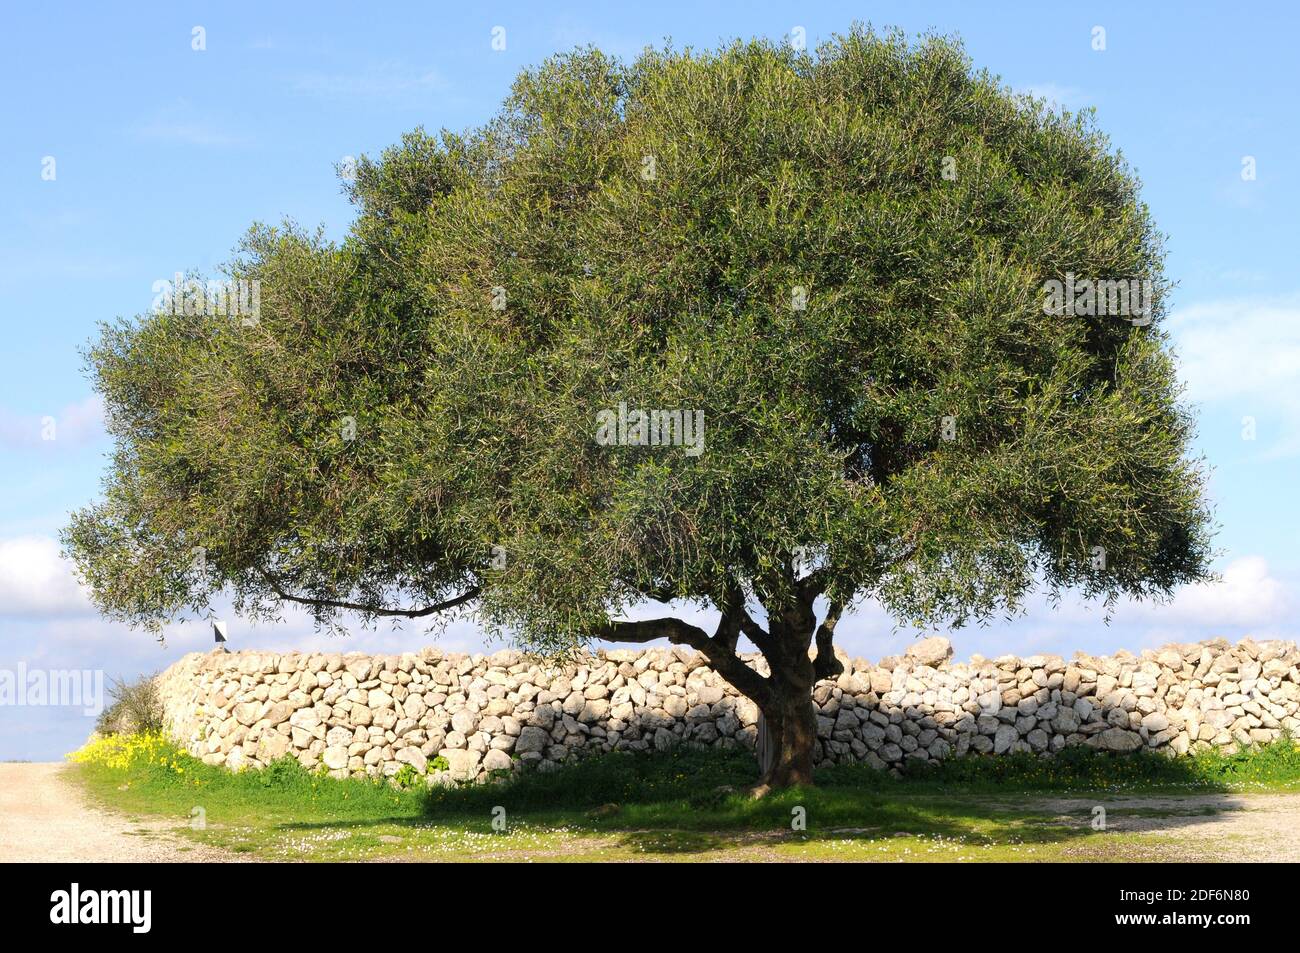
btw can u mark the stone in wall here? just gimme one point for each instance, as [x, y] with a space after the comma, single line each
[354, 714]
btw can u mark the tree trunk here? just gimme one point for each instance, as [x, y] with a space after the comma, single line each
[791, 734]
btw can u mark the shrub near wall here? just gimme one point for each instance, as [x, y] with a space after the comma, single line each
[460, 717]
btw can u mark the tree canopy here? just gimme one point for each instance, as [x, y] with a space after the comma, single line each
[835, 260]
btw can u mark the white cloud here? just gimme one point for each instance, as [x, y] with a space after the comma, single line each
[1245, 354]
[188, 133]
[1246, 595]
[178, 123]
[385, 81]
[74, 425]
[1248, 600]
[35, 580]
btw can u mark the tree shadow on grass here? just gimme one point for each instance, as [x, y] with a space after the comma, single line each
[691, 803]
[976, 821]
[970, 823]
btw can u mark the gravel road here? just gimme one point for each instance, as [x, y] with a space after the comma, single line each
[44, 817]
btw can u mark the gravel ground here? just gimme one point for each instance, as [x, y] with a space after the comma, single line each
[1220, 828]
[43, 817]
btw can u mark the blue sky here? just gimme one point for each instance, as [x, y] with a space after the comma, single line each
[163, 155]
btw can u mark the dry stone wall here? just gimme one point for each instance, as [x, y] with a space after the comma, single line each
[462, 717]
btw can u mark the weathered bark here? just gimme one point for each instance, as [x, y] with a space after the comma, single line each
[785, 695]
[792, 733]
[787, 709]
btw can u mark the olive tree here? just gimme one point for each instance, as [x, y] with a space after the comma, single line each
[755, 332]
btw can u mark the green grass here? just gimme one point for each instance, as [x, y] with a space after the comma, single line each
[683, 804]
[1086, 771]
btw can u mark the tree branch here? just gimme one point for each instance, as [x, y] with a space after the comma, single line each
[813, 585]
[816, 582]
[657, 593]
[825, 664]
[756, 633]
[280, 591]
[722, 659]
[647, 630]
[728, 631]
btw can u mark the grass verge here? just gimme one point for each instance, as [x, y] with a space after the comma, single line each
[682, 804]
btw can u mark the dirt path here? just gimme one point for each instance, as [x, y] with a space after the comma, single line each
[44, 817]
[1223, 828]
